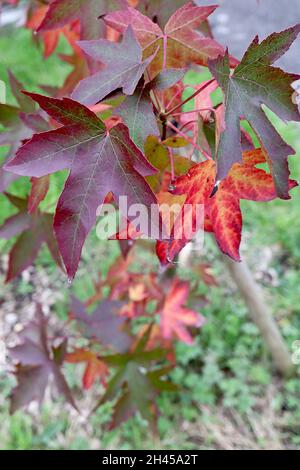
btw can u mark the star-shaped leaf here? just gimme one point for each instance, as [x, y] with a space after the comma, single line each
[179, 44]
[244, 181]
[175, 318]
[255, 83]
[123, 68]
[36, 362]
[136, 383]
[101, 161]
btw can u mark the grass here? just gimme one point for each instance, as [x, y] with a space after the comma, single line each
[229, 394]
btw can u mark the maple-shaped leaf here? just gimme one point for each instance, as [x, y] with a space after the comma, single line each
[179, 44]
[104, 324]
[124, 67]
[255, 83]
[175, 318]
[62, 12]
[136, 383]
[36, 362]
[244, 181]
[101, 161]
[33, 230]
[95, 368]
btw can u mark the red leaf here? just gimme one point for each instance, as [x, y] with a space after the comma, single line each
[36, 361]
[244, 181]
[123, 68]
[95, 368]
[106, 161]
[179, 44]
[39, 190]
[174, 317]
[253, 83]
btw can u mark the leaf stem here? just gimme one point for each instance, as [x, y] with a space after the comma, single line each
[195, 111]
[196, 146]
[172, 164]
[171, 111]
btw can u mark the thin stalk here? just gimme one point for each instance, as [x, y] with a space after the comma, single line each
[172, 164]
[195, 111]
[171, 111]
[196, 146]
[175, 96]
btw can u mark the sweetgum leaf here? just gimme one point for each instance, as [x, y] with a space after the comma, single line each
[175, 318]
[168, 78]
[158, 155]
[254, 83]
[244, 181]
[88, 12]
[135, 384]
[179, 44]
[39, 190]
[101, 161]
[123, 68]
[36, 362]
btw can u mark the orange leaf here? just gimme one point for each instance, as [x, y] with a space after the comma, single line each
[174, 317]
[39, 190]
[222, 210]
[94, 367]
[197, 185]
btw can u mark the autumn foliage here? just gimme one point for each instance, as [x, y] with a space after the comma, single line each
[123, 124]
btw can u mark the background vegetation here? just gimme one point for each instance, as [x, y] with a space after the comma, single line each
[230, 396]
